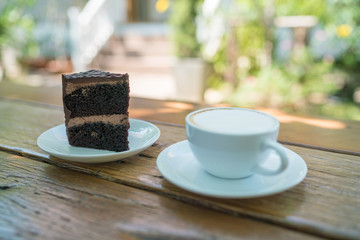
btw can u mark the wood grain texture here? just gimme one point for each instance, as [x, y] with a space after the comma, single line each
[326, 203]
[40, 201]
[300, 130]
[318, 133]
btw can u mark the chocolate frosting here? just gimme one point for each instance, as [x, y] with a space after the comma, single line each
[93, 75]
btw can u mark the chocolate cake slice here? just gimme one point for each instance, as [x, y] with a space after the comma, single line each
[96, 109]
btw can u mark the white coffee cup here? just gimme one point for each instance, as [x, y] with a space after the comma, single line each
[233, 142]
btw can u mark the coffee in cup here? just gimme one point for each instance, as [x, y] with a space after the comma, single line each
[233, 142]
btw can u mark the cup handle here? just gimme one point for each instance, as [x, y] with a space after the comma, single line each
[284, 161]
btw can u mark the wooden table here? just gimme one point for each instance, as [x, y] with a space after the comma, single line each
[43, 197]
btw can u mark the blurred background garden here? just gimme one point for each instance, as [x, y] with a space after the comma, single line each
[298, 56]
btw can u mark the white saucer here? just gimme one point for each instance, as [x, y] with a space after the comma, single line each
[54, 141]
[178, 165]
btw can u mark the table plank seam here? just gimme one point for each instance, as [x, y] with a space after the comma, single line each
[280, 141]
[60, 109]
[196, 200]
[51, 188]
[320, 148]
[32, 103]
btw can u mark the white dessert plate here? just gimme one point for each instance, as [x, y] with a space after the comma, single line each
[54, 141]
[178, 165]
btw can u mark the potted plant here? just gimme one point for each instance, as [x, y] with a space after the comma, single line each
[190, 70]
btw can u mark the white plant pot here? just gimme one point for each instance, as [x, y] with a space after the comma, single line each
[190, 75]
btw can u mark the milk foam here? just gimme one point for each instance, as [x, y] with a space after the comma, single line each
[232, 120]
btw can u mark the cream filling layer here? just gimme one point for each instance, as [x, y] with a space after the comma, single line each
[115, 119]
[71, 87]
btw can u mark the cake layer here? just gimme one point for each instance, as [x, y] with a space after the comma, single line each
[99, 135]
[71, 87]
[115, 119]
[96, 109]
[99, 99]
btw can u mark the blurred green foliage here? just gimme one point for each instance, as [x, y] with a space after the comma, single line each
[184, 28]
[324, 84]
[16, 27]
